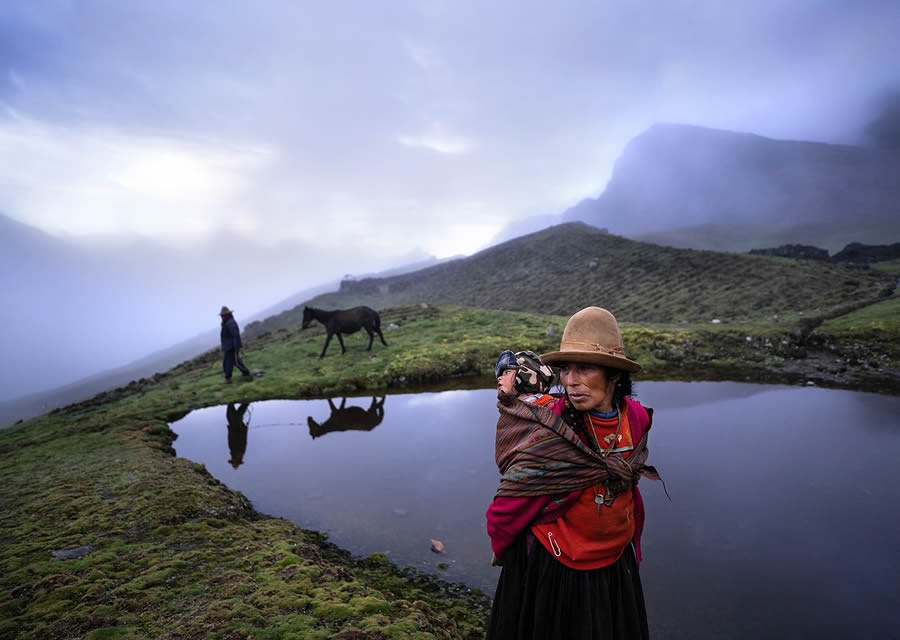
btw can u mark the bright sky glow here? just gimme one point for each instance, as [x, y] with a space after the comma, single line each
[105, 182]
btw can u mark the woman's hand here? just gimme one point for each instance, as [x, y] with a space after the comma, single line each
[495, 561]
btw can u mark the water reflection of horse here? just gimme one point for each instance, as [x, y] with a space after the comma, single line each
[348, 418]
[345, 321]
[237, 432]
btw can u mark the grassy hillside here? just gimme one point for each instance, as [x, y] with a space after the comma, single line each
[564, 268]
[741, 238]
[890, 267]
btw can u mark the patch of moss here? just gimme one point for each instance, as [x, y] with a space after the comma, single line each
[333, 611]
[109, 633]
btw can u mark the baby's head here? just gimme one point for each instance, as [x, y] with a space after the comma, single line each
[505, 371]
[523, 372]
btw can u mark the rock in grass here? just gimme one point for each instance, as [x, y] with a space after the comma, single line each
[68, 554]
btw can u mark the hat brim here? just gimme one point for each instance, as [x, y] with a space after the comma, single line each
[556, 358]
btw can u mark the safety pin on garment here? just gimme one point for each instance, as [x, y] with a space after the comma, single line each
[553, 545]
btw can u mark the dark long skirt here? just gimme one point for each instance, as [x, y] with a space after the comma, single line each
[539, 598]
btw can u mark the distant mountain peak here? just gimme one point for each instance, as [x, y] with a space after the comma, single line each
[680, 175]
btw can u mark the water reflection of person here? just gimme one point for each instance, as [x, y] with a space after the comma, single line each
[566, 521]
[237, 432]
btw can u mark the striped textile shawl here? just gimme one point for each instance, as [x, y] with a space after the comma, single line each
[537, 454]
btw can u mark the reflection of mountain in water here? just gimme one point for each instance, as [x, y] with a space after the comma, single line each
[237, 432]
[346, 418]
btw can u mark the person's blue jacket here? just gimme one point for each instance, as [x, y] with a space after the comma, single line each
[231, 335]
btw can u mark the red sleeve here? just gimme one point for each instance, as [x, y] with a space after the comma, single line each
[640, 420]
[507, 518]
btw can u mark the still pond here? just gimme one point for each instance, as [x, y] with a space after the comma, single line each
[784, 519]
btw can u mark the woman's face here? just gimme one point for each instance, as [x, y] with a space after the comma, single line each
[506, 382]
[587, 386]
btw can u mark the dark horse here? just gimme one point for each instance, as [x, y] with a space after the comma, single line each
[345, 321]
[346, 418]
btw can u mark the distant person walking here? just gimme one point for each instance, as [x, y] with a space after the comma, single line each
[231, 345]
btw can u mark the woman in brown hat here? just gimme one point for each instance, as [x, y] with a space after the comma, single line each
[566, 521]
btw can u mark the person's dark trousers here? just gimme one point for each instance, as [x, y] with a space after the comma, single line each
[230, 361]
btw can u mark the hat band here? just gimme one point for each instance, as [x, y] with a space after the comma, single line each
[618, 352]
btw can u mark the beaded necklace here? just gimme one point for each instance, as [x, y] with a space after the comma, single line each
[615, 438]
[600, 498]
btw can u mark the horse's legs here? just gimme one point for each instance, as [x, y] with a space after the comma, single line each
[378, 329]
[371, 338]
[341, 340]
[325, 348]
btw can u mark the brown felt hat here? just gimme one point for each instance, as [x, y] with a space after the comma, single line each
[592, 336]
[225, 311]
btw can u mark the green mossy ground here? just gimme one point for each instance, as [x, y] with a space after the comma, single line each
[178, 555]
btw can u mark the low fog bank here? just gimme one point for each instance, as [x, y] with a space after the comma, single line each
[73, 309]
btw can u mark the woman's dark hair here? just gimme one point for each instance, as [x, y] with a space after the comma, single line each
[624, 386]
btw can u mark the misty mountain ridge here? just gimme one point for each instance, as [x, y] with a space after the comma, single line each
[699, 176]
[79, 307]
[48, 256]
[695, 187]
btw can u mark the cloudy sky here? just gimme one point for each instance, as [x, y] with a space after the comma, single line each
[382, 128]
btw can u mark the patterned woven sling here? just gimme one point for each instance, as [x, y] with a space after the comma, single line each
[537, 453]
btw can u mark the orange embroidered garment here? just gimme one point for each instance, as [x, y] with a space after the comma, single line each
[581, 539]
